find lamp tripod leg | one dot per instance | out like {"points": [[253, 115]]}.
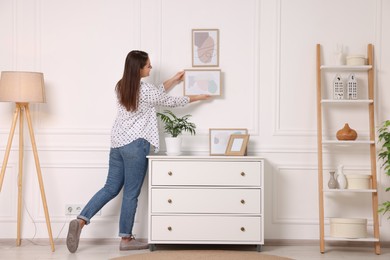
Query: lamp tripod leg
{"points": [[8, 149], [20, 178], [39, 173]]}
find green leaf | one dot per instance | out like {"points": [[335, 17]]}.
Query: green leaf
{"points": [[174, 125], [384, 156]]}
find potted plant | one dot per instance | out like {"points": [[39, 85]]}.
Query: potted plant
{"points": [[384, 154], [174, 126]]}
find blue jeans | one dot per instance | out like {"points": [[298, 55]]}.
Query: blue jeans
{"points": [[127, 169]]}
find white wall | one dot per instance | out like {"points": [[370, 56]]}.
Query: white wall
{"points": [[267, 56]]}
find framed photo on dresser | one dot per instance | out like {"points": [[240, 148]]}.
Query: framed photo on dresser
{"points": [[237, 145], [219, 139]]}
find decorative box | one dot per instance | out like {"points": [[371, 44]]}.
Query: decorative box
{"points": [[348, 227], [358, 181], [356, 60]]}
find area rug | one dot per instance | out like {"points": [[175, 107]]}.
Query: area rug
{"points": [[201, 255]]}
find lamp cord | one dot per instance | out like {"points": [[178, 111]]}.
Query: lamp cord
{"points": [[35, 227]]}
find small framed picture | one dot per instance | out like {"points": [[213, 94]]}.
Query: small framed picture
{"points": [[219, 139], [237, 145], [205, 47], [198, 82]]}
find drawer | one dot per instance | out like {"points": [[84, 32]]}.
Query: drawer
{"points": [[206, 228], [216, 173], [206, 200]]}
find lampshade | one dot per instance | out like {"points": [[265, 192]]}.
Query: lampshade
{"points": [[22, 87]]}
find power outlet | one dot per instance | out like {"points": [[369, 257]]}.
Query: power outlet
{"points": [[75, 209]]}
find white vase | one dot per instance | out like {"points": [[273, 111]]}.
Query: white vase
{"points": [[341, 178], [339, 58], [173, 145]]}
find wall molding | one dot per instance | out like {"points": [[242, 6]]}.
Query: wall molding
{"points": [[39, 217], [278, 130], [10, 172], [255, 131], [276, 218]]}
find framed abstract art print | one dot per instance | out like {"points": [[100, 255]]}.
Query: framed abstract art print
{"points": [[197, 82], [205, 48]]}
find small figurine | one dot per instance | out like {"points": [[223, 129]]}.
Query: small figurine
{"points": [[352, 87], [338, 87]]}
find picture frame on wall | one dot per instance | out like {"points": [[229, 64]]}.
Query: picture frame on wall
{"points": [[219, 139], [237, 145], [197, 82], [205, 47]]}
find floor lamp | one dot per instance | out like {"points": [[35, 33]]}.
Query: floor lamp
{"points": [[23, 88]]}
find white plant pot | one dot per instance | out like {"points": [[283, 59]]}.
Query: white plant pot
{"points": [[173, 145]]}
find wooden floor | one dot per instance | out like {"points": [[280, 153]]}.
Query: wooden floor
{"points": [[108, 249]]}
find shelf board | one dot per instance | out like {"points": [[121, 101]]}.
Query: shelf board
{"points": [[347, 101], [347, 68], [347, 142], [367, 239], [351, 190]]}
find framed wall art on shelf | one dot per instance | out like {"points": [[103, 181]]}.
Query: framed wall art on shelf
{"points": [[219, 139], [205, 47]]}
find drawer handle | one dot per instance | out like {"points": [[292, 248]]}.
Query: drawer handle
{"points": [[169, 228], [170, 173], [242, 229], [169, 201], [242, 201], [242, 174]]}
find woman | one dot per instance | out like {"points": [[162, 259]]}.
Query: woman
{"points": [[134, 130]]}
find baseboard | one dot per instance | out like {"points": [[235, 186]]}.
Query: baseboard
{"points": [[267, 242], [62, 241], [314, 242]]}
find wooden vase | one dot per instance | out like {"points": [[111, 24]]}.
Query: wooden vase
{"points": [[346, 134]]}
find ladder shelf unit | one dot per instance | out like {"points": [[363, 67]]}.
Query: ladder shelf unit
{"points": [[324, 144]]}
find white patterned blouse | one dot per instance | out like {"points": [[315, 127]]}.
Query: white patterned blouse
{"points": [[142, 123]]}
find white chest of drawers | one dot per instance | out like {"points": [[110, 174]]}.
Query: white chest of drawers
{"points": [[206, 200]]}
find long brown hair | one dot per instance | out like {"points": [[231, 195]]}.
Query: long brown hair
{"points": [[127, 88]]}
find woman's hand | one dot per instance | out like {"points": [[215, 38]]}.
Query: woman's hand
{"points": [[199, 97], [178, 77], [168, 84]]}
